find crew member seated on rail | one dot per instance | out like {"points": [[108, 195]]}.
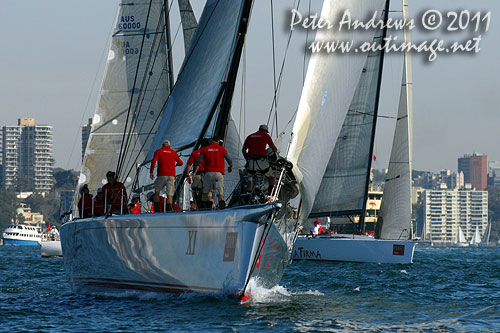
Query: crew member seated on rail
{"points": [[115, 195], [254, 151], [85, 202], [135, 204]]}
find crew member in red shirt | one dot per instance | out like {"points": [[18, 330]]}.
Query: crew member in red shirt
{"points": [[135, 204], [167, 160], [254, 151], [99, 203], [85, 202], [213, 157], [197, 182], [115, 195]]}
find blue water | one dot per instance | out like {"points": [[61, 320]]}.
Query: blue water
{"points": [[445, 289]]}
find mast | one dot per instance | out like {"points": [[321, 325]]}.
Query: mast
{"points": [[225, 108], [226, 90], [168, 41], [361, 225]]}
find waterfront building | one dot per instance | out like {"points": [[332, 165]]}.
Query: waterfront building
{"points": [[494, 173], [445, 210], [24, 215], [475, 170], [27, 155]]}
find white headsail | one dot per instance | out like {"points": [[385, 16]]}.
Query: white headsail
{"points": [[329, 88], [135, 84], [395, 212]]}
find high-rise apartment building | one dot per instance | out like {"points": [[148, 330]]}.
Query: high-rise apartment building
{"points": [[85, 136], [27, 155], [494, 172], [445, 211], [475, 169]]}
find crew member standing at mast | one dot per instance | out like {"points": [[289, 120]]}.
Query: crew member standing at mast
{"points": [[167, 160], [197, 182], [254, 151], [213, 157]]}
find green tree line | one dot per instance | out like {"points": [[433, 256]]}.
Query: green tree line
{"points": [[47, 205]]}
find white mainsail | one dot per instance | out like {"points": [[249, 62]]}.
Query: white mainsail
{"points": [[476, 238], [329, 89], [460, 238], [344, 185], [396, 209], [136, 84]]}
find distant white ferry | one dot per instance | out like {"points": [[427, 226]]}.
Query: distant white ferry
{"points": [[21, 234]]}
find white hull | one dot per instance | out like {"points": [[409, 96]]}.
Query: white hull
{"points": [[206, 252], [51, 248], [353, 248]]}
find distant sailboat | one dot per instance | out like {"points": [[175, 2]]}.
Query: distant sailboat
{"points": [[460, 239], [344, 188], [476, 238]]}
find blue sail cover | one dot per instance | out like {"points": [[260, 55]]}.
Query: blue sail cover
{"points": [[199, 82]]}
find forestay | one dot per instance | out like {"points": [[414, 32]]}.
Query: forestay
{"points": [[344, 184], [134, 81], [395, 212], [329, 89]]}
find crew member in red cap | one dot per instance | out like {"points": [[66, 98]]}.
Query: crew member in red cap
{"points": [[316, 229], [115, 195], [167, 160], [254, 151], [213, 157]]}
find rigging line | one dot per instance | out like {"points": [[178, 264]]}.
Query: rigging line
{"points": [[305, 49], [280, 77], [91, 89], [275, 104], [194, 43], [242, 95], [133, 90], [143, 90], [155, 90], [371, 114]]}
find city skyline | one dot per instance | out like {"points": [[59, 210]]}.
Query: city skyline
{"points": [[53, 74]]}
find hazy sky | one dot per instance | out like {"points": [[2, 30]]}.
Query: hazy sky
{"points": [[53, 59]]}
